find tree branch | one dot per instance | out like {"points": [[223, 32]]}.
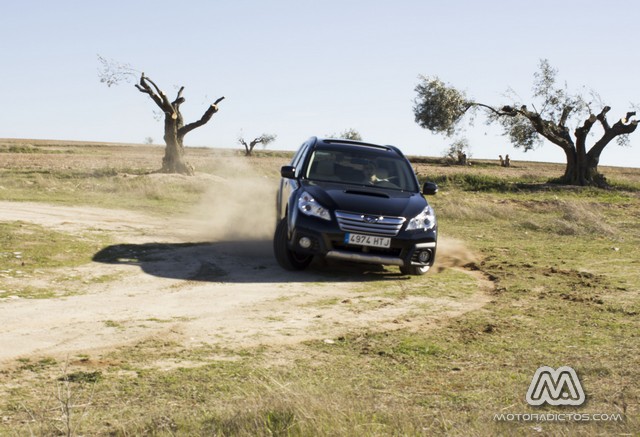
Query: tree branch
{"points": [[506, 110], [582, 131], [258, 141], [566, 111], [144, 87], [624, 125], [557, 134], [602, 117], [621, 127], [165, 104], [581, 137], [244, 143], [157, 88], [179, 99], [203, 120], [628, 116]]}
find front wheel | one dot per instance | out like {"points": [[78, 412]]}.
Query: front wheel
{"points": [[287, 258], [414, 270]]}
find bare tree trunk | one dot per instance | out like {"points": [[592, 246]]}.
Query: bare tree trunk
{"points": [[249, 148], [581, 164], [582, 167], [173, 160], [582, 172], [591, 172], [571, 166]]}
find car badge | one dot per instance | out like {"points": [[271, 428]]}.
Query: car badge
{"points": [[371, 219]]}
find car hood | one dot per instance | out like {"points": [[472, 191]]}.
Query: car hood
{"points": [[366, 200]]}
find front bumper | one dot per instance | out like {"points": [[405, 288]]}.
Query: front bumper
{"points": [[417, 248]]}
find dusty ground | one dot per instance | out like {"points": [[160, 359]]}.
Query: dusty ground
{"points": [[171, 279], [196, 279]]}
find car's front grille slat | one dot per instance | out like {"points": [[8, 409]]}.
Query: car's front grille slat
{"points": [[369, 223]]}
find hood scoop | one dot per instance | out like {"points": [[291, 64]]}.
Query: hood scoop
{"points": [[367, 193]]}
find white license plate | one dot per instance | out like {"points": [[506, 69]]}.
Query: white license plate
{"points": [[367, 240]]}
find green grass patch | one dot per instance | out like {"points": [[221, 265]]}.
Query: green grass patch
{"points": [[29, 251], [42, 364], [475, 182], [27, 247]]}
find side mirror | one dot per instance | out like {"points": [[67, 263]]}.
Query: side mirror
{"points": [[288, 172], [429, 188]]}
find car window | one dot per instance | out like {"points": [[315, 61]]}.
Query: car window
{"points": [[361, 167], [296, 158]]}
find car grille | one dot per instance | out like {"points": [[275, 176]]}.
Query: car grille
{"points": [[369, 223]]}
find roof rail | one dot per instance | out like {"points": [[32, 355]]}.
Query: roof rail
{"points": [[355, 143]]}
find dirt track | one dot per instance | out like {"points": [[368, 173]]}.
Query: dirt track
{"points": [[169, 280]]}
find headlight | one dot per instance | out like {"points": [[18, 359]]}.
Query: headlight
{"points": [[308, 206], [424, 221]]}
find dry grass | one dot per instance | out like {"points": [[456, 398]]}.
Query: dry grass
{"points": [[563, 265]]}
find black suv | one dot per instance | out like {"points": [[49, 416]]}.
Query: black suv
{"points": [[354, 201]]}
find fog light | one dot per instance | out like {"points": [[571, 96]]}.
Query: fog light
{"points": [[424, 257], [304, 242]]}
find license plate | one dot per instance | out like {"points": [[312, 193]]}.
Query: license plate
{"points": [[367, 240]]}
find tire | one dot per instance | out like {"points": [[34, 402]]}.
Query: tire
{"points": [[414, 270], [287, 258]]}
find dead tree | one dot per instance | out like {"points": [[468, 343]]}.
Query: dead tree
{"points": [[174, 127]]}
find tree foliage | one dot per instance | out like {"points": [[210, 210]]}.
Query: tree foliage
{"points": [[348, 134], [554, 113], [112, 72], [439, 107]]}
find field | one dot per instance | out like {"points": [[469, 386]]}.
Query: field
{"points": [[135, 303]]}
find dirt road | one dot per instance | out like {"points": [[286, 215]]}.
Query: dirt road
{"points": [[171, 280]]}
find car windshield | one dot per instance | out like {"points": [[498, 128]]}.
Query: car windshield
{"points": [[361, 166]]}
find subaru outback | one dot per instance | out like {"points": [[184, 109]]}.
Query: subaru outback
{"points": [[354, 201]]}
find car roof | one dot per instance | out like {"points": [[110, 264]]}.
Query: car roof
{"points": [[351, 143]]}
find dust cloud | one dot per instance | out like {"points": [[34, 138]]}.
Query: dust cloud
{"points": [[452, 253], [239, 206]]}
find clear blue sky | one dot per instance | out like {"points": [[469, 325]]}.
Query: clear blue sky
{"points": [[297, 68]]}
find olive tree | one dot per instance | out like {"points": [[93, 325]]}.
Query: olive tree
{"points": [[263, 139], [565, 119], [175, 128]]}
